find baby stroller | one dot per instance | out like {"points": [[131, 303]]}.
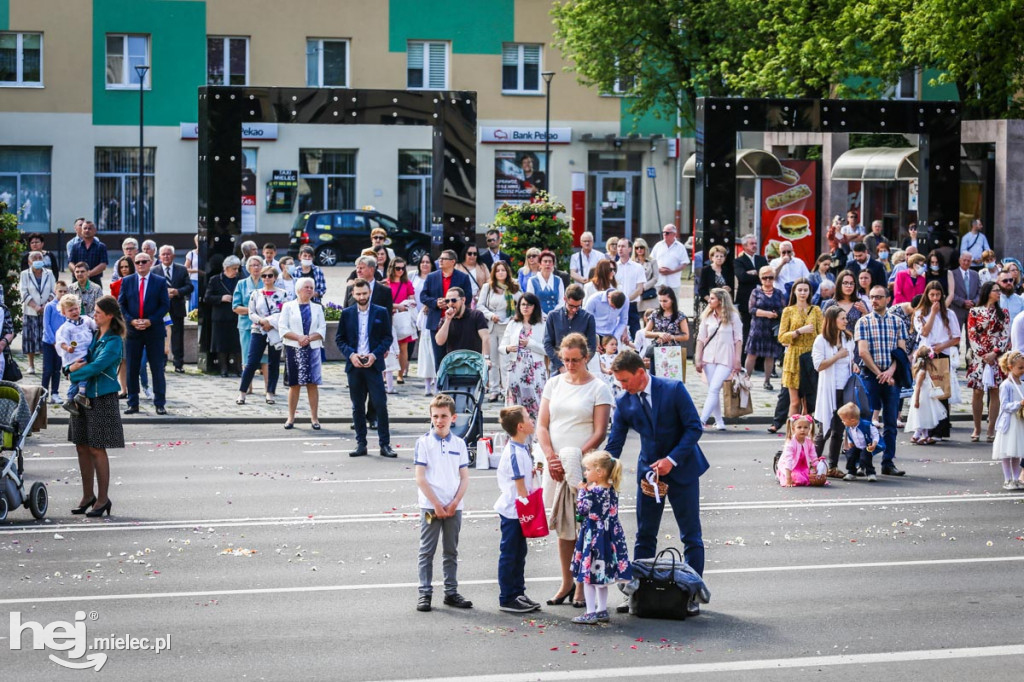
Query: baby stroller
{"points": [[15, 425], [463, 376]]}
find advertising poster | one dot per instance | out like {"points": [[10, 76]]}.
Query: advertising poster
{"points": [[788, 211], [248, 190], [518, 176]]}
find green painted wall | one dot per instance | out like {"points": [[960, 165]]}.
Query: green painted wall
{"points": [[5, 15], [177, 30], [472, 26], [940, 92]]}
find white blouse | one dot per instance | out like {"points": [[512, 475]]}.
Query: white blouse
{"points": [[938, 333]]}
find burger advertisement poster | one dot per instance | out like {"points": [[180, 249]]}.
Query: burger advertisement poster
{"points": [[788, 210]]}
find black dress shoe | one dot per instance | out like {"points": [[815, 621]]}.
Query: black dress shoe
{"points": [[891, 470], [132, 410], [360, 451], [423, 603], [387, 451], [692, 609], [179, 370], [161, 411], [622, 608], [458, 601]]}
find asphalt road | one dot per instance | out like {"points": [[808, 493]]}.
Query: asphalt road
{"points": [[267, 554]]}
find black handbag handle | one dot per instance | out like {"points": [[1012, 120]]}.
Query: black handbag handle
{"points": [[674, 554]]}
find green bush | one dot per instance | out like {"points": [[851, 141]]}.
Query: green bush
{"points": [[10, 262], [525, 226]]}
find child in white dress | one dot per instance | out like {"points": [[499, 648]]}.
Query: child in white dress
{"points": [[609, 349], [926, 411], [1009, 443]]}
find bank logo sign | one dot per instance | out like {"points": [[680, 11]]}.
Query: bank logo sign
{"points": [[534, 135], [250, 131]]}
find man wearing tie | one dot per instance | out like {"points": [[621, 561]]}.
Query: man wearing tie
{"points": [[364, 335], [144, 302], [179, 289], [662, 413], [966, 284]]}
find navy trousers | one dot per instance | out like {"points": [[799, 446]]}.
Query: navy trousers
{"points": [[887, 399], [150, 341], [685, 501], [511, 561], [51, 369], [368, 382]]}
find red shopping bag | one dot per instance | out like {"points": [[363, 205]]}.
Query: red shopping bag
{"points": [[531, 515]]}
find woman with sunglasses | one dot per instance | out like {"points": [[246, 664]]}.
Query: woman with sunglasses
{"points": [[264, 312], [765, 305], [477, 271], [530, 268], [403, 321], [641, 255], [379, 237]]}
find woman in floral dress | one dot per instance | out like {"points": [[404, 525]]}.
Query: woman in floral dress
{"points": [[523, 342], [988, 333]]}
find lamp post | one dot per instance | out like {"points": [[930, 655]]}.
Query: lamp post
{"points": [[141, 70], [548, 75]]}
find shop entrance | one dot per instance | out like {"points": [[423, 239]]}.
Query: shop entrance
{"points": [[614, 199], [414, 179]]}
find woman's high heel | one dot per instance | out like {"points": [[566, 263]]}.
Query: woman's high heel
{"points": [[560, 599], [105, 509], [81, 510]]}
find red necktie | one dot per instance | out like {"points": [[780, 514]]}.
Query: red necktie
{"points": [[142, 293]]}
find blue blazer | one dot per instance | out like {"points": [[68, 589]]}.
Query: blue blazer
{"points": [[674, 434], [156, 305], [486, 257], [433, 289], [379, 331]]}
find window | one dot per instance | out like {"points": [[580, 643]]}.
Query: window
{"points": [[21, 59], [520, 68], [906, 86], [25, 185], [327, 63], [124, 53], [117, 189], [227, 61], [414, 186], [427, 65], [327, 179]]}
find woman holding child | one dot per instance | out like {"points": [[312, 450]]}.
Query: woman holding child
{"points": [[574, 411]]}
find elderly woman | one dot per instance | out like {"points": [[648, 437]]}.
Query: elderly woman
{"points": [[530, 268], [35, 245], [546, 285], [649, 298], [497, 302], [303, 327], [766, 304], [87, 291], [574, 412], [240, 304], [715, 275], [800, 325], [523, 343], [37, 285], [988, 333], [264, 312], [223, 330], [95, 430]]}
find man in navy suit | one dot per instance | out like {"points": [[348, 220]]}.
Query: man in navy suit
{"points": [[662, 413], [179, 288], [433, 296], [364, 335], [493, 253], [144, 302]]}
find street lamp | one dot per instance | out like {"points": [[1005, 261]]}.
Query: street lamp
{"points": [[141, 70], [548, 75]]}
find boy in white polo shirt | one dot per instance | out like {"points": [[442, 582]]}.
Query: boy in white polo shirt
{"points": [[442, 474], [515, 479]]}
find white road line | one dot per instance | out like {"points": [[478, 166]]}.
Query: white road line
{"points": [[412, 516], [930, 655], [488, 581], [726, 441], [393, 480], [54, 459]]}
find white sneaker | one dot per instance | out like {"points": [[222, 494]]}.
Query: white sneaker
{"points": [[1009, 485], [720, 427], [148, 393], [872, 478], [849, 477]]}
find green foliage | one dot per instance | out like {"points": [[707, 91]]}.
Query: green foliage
{"points": [[525, 226], [10, 262]]}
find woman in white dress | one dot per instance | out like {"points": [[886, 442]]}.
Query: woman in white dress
{"points": [[523, 345], [574, 411], [497, 301], [833, 355], [424, 350]]}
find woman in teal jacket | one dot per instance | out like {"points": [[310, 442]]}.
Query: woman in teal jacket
{"points": [[96, 429]]}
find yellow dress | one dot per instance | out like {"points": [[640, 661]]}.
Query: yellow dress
{"points": [[795, 345]]}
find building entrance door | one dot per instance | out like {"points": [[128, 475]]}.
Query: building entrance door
{"points": [[613, 205]]}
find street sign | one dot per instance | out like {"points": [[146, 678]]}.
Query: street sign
{"points": [[651, 172]]}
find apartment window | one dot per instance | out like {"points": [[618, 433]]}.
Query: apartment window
{"points": [[117, 189], [21, 59], [327, 63], [327, 179], [427, 65], [25, 185], [906, 86], [227, 61], [520, 68], [124, 53]]}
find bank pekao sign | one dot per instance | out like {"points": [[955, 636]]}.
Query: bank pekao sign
{"points": [[250, 131], [514, 135]]}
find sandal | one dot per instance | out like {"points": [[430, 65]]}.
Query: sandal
{"points": [[914, 440], [975, 437], [990, 439], [271, 399], [927, 441], [240, 401]]}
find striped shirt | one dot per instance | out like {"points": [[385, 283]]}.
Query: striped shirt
{"points": [[883, 334]]}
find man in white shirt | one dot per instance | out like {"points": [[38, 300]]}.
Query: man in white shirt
{"points": [[788, 268], [852, 232], [1017, 333], [631, 278], [583, 262], [975, 242], [671, 256], [1012, 303]]}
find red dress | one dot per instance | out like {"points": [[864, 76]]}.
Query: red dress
{"points": [[986, 334], [400, 292]]}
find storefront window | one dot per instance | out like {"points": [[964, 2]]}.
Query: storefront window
{"points": [[25, 185], [117, 189], [414, 183]]}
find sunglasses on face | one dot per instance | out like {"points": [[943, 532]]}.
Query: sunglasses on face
{"points": [[492, 240], [141, 262], [452, 300], [399, 267], [531, 257], [377, 239], [471, 253], [268, 276], [767, 279]]}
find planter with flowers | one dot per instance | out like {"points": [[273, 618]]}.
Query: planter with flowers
{"points": [[537, 224]]}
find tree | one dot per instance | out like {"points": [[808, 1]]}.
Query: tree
{"points": [[10, 263]]}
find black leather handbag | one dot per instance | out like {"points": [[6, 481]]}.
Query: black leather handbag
{"points": [[12, 372], [660, 594]]}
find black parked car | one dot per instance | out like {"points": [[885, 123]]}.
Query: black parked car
{"points": [[341, 236]]}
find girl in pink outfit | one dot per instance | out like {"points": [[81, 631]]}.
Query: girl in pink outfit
{"points": [[798, 455]]}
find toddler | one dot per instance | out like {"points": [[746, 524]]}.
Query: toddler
{"points": [[798, 454], [863, 438], [925, 411], [72, 341], [1009, 443], [609, 349]]}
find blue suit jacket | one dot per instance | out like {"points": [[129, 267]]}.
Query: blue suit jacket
{"points": [[379, 331], [433, 289], [156, 305], [674, 434]]}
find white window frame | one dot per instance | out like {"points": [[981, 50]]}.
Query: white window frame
{"points": [[426, 64], [227, 58], [320, 62], [20, 81], [521, 69], [897, 88], [126, 74], [125, 196]]}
